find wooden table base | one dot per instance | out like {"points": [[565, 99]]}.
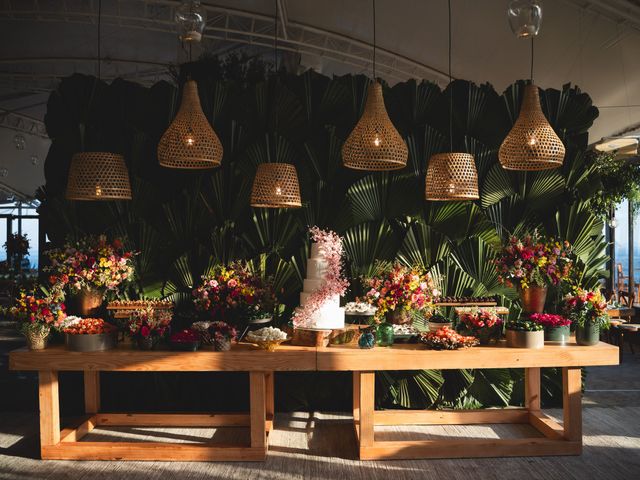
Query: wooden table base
{"points": [[557, 439], [67, 445]]}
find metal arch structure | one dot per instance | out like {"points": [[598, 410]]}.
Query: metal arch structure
{"points": [[230, 25], [22, 123]]}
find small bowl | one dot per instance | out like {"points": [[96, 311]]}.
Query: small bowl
{"points": [[268, 345]]}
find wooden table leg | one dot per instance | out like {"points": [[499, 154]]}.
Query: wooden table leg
{"points": [[49, 409], [269, 399], [367, 408], [356, 396], [572, 403], [532, 389], [258, 409], [91, 391]]}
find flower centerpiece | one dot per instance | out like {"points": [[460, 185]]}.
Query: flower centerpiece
{"points": [[330, 245], [531, 264], [447, 339], [234, 294], [524, 333], [556, 327], [217, 334], [36, 313], [483, 324], [148, 327], [187, 340], [399, 291], [587, 310], [88, 268]]}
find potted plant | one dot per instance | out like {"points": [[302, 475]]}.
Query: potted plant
{"points": [[400, 292], [531, 264], [483, 324], [222, 334], [148, 327], [556, 327], [523, 333], [88, 268], [437, 320], [36, 313], [587, 311]]}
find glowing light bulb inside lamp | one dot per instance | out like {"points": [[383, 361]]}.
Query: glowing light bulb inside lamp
{"points": [[532, 141], [278, 190], [98, 191], [451, 188], [376, 141], [189, 140]]}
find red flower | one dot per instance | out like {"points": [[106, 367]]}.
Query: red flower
{"points": [[144, 331]]}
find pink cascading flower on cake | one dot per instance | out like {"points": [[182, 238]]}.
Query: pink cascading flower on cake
{"points": [[330, 246]]}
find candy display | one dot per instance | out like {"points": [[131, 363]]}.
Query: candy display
{"points": [[447, 339]]}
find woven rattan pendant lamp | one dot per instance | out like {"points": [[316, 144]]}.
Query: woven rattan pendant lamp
{"points": [[276, 184], [451, 176], [190, 143], [374, 144], [532, 144], [98, 175]]}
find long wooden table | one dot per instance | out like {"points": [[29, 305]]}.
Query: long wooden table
{"points": [[556, 439], [66, 445]]}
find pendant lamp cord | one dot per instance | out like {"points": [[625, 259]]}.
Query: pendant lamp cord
{"points": [[275, 68], [99, 34], [450, 87], [374, 40], [531, 75]]}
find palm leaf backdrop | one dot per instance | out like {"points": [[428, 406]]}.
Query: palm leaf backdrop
{"points": [[184, 223]]}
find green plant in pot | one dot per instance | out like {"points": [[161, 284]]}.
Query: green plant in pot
{"points": [[556, 327], [531, 264], [524, 333], [587, 311]]}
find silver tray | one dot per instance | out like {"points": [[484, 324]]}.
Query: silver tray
{"points": [[90, 342]]}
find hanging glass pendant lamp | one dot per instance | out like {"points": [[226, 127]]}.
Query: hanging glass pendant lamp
{"points": [[375, 144], [532, 144], [451, 176], [276, 184], [98, 175]]}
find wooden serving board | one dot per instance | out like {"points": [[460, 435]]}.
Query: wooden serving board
{"points": [[321, 338]]}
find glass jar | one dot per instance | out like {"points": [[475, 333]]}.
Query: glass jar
{"points": [[384, 334]]}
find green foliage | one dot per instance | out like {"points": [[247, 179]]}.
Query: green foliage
{"points": [[620, 180], [185, 222]]}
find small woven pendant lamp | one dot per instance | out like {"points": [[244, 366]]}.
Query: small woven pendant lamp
{"points": [[532, 144], [190, 142], [276, 186], [453, 175], [98, 176], [374, 144]]}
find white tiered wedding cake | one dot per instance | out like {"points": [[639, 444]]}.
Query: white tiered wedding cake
{"points": [[329, 315]]}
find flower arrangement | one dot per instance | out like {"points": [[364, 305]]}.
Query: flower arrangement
{"points": [[36, 312], [447, 339], [524, 325], [187, 340], [402, 288], [219, 334], [88, 326], [148, 326], [330, 245], [533, 260], [483, 324], [91, 263], [549, 320], [232, 293], [585, 307]]}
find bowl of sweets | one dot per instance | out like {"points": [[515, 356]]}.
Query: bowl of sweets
{"points": [[447, 339], [90, 335]]}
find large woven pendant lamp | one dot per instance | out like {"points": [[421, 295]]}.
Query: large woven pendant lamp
{"points": [[98, 175], [276, 184], [375, 144], [451, 176], [532, 144]]}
